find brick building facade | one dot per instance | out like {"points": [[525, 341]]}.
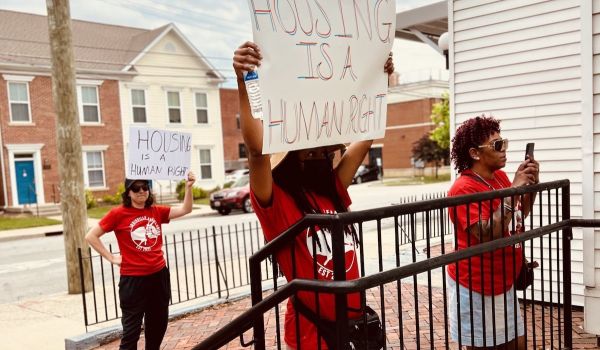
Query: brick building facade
{"points": [[233, 142], [407, 122], [30, 145]]}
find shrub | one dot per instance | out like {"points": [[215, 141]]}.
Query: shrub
{"points": [[90, 200], [197, 192], [115, 198]]}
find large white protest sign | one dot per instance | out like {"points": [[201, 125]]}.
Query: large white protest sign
{"points": [[321, 79], [158, 154]]}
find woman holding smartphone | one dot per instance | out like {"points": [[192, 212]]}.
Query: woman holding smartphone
{"points": [[485, 283]]}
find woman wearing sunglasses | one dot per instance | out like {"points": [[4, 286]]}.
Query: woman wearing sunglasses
{"points": [[144, 286], [485, 283]]}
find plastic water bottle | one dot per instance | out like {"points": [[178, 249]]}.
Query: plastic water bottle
{"points": [[253, 90]]}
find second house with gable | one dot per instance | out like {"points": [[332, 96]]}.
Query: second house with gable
{"points": [[177, 89]]}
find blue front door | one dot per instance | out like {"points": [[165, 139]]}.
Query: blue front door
{"points": [[25, 181]]}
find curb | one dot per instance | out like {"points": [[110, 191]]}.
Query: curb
{"points": [[24, 235]]}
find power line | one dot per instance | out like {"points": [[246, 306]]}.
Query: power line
{"points": [[192, 20], [203, 14], [115, 63], [113, 49], [152, 75]]}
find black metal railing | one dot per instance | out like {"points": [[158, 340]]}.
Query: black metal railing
{"points": [[409, 287], [209, 262], [205, 262]]}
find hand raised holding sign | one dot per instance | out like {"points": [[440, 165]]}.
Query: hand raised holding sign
{"points": [[246, 58], [389, 65], [191, 178]]}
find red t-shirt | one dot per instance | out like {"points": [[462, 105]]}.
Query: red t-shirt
{"points": [[139, 235], [468, 184], [276, 219]]}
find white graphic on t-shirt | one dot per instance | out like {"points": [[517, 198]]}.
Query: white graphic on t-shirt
{"points": [[324, 253], [144, 232]]}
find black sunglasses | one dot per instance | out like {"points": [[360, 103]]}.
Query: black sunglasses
{"points": [[137, 187], [499, 145]]}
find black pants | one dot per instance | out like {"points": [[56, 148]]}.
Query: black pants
{"points": [[147, 298]]}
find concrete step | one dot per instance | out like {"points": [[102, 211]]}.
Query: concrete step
{"points": [[166, 198], [41, 210]]}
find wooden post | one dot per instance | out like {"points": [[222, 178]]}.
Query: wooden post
{"points": [[68, 133]]}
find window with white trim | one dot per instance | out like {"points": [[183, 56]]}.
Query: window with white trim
{"points": [[205, 164], [138, 104], [90, 107], [201, 108], [18, 99], [94, 166], [174, 103]]}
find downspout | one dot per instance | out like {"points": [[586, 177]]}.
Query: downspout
{"points": [[587, 140], [451, 99]]}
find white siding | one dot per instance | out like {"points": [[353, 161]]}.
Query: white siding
{"points": [[171, 65], [520, 61]]}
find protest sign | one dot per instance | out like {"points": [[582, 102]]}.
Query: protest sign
{"points": [[158, 154], [322, 80]]}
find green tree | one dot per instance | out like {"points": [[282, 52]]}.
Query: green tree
{"points": [[429, 151], [440, 116]]}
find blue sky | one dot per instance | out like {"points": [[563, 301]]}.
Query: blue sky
{"points": [[215, 27]]}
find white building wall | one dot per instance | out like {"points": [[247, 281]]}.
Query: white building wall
{"points": [[520, 61], [172, 65]]}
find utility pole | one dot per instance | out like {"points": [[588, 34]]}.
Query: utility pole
{"points": [[68, 133]]}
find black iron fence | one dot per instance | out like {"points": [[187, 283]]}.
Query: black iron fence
{"points": [[406, 280], [209, 262], [212, 261]]}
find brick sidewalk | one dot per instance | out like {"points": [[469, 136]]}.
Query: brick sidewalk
{"points": [[186, 332]]}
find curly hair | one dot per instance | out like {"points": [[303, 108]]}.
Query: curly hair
{"points": [[471, 134]]}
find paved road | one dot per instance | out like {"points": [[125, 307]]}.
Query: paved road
{"points": [[34, 267]]}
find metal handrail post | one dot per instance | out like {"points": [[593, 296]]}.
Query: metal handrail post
{"points": [[214, 231], [566, 249], [256, 295], [81, 276], [339, 274]]}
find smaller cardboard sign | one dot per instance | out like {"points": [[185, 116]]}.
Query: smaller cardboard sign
{"points": [[156, 154]]}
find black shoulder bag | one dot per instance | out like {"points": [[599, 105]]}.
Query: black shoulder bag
{"points": [[364, 333]]}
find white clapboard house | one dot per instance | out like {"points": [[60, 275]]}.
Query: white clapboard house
{"points": [[535, 65], [175, 88]]}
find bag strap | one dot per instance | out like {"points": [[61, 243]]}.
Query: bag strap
{"points": [[479, 180], [326, 331]]}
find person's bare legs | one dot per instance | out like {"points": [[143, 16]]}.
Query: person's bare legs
{"points": [[515, 344]]}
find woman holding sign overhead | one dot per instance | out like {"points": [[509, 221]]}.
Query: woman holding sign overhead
{"points": [[287, 186], [144, 286]]}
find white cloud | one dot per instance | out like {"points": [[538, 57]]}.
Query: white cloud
{"points": [[215, 27]]}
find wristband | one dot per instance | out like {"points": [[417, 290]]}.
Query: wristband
{"points": [[508, 207]]}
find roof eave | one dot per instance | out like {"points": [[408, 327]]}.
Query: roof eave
{"points": [[426, 15]]}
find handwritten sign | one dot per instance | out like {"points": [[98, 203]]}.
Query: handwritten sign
{"points": [[321, 79], [158, 154]]}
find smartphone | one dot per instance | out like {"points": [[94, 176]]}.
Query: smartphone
{"points": [[529, 150]]}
